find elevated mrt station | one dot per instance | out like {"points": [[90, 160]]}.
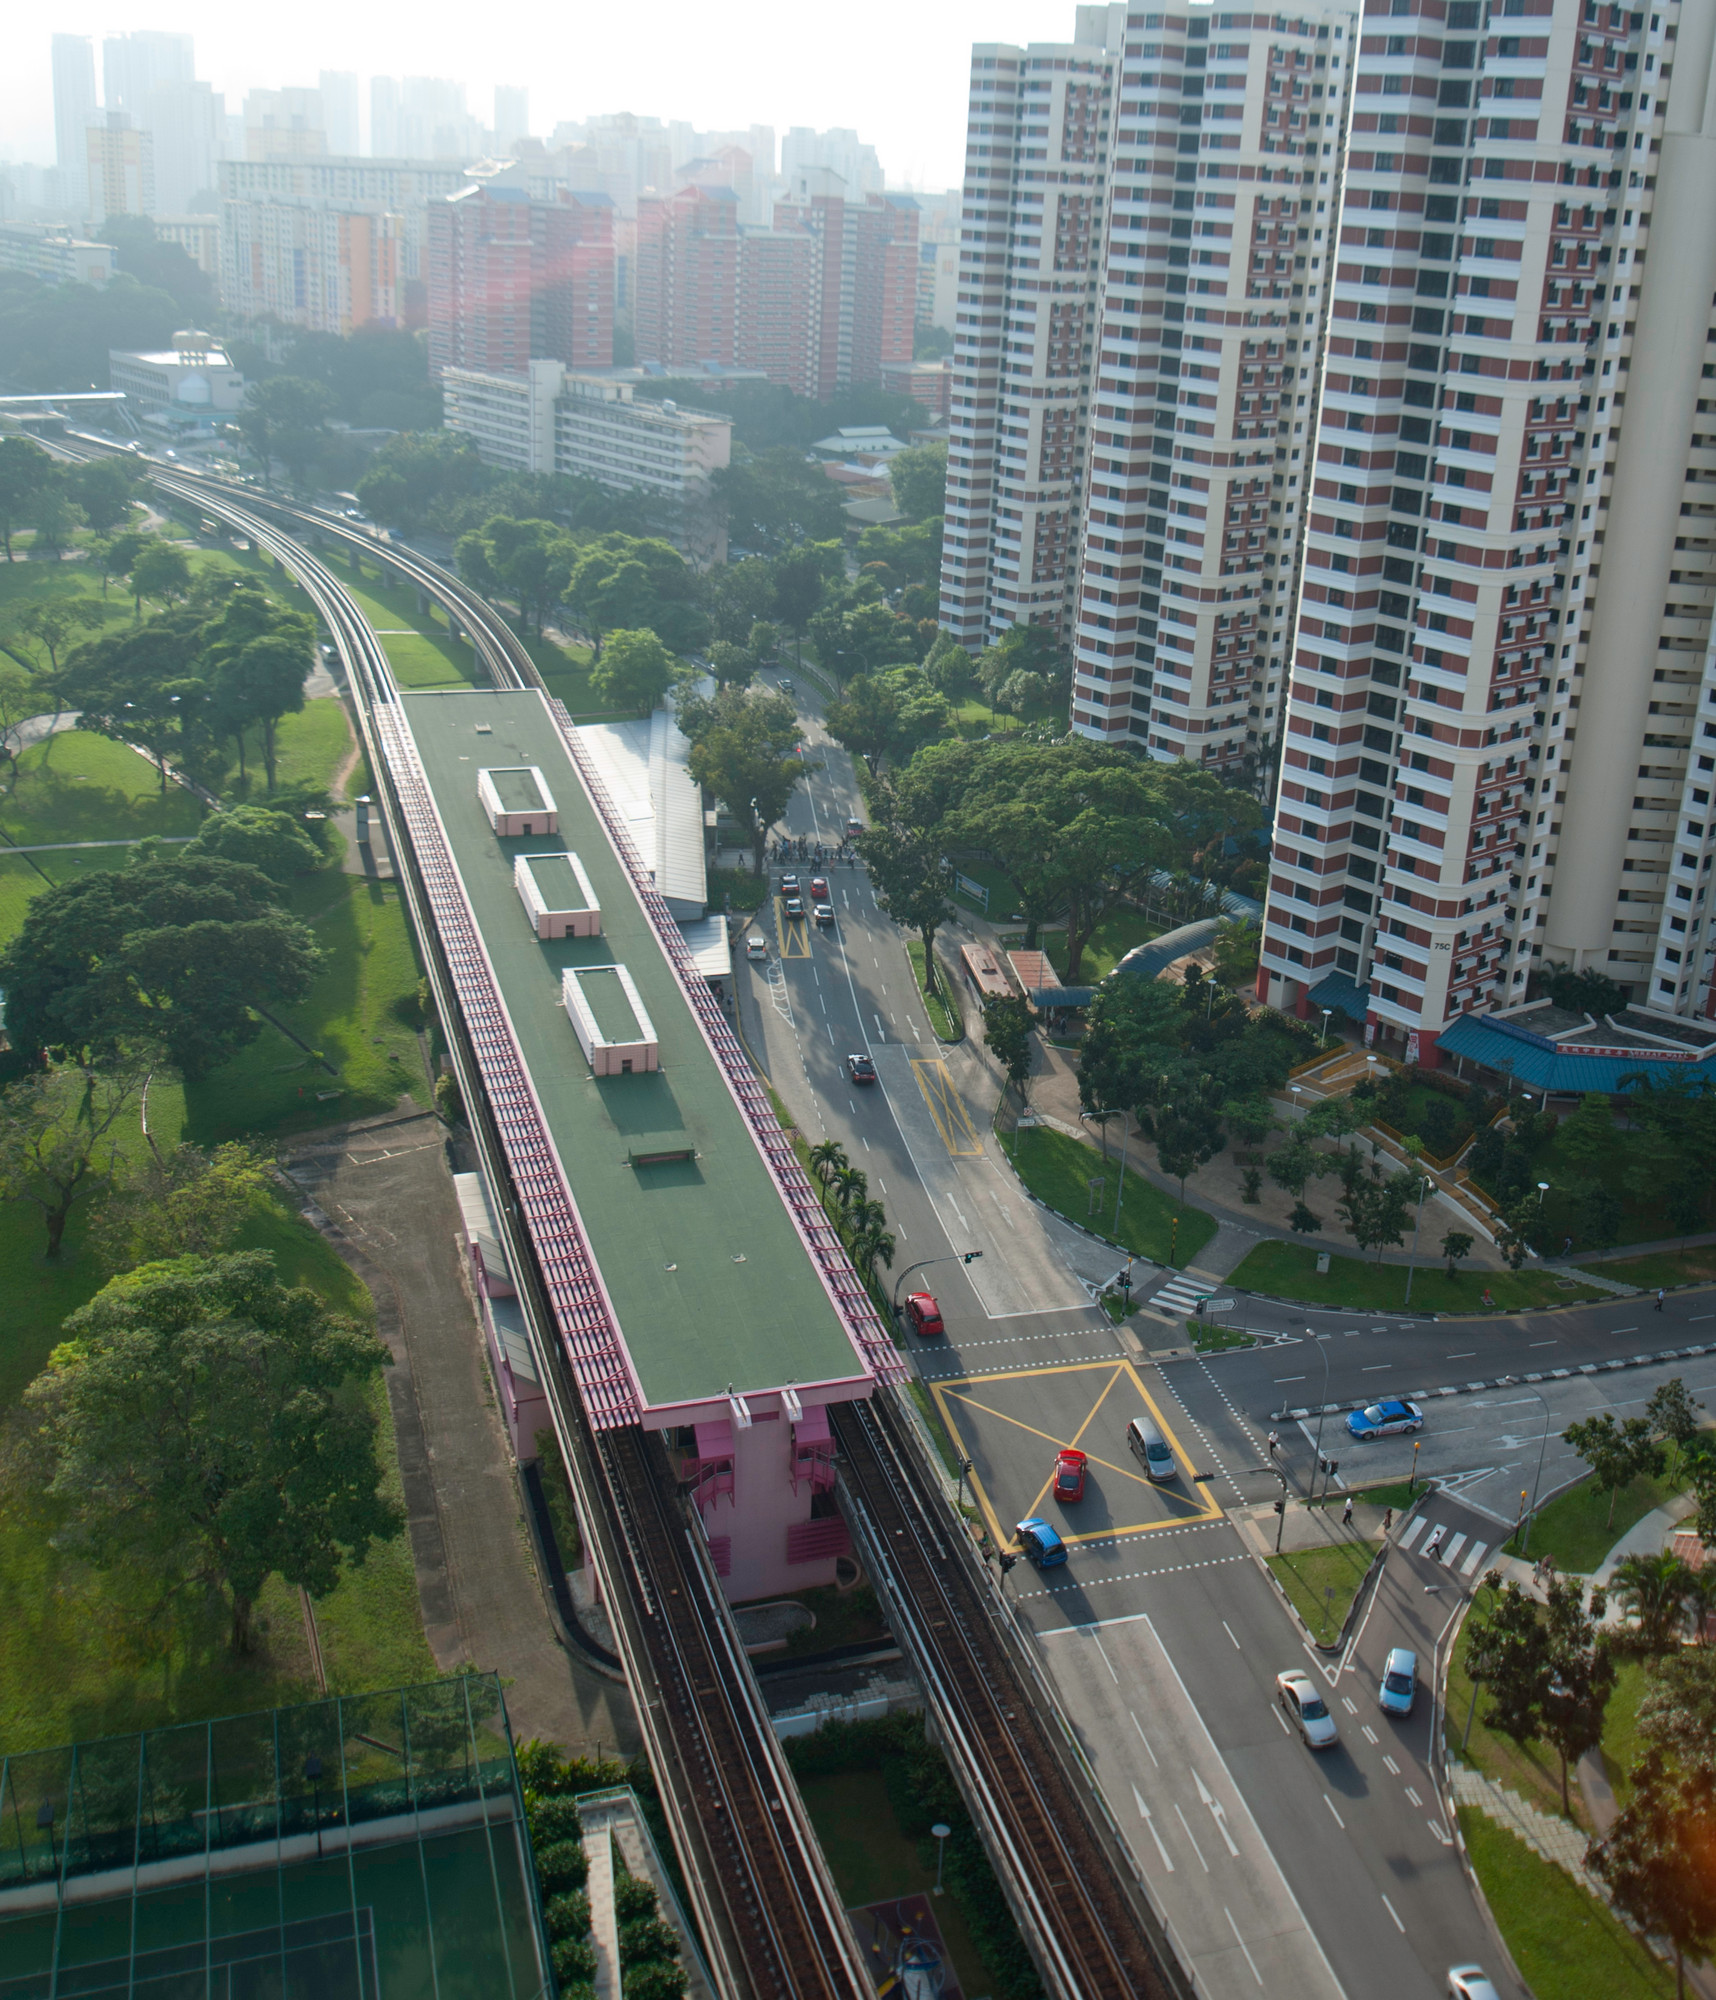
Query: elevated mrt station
{"points": [[696, 1285]]}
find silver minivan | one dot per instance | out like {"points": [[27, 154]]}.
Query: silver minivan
{"points": [[1147, 1443]]}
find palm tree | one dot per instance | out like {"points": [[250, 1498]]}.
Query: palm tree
{"points": [[826, 1159], [1654, 1590], [1701, 1601], [850, 1184], [874, 1244], [865, 1218]]}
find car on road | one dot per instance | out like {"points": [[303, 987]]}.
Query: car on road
{"points": [[1385, 1419], [786, 686], [924, 1314], [860, 1069], [756, 947], [793, 904], [819, 889], [1306, 1709], [1470, 1982], [1399, 1681], [1040, 1542], [1069, 1476], [1146, 1441], [823, 914], [854, 827], [790, 885]]}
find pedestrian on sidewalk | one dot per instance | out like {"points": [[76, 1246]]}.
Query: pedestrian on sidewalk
{"points": [[1660, 1296], [1347, 1513], [1387, 1522], [1433, 1547]]}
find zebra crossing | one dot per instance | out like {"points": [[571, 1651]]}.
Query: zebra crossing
{"points": [[1448, 1549], [1181, 1295]]}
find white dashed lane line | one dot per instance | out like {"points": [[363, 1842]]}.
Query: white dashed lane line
{"points": [[1134, 1576]]}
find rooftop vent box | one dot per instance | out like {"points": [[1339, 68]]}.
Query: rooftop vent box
{"points": [[557, 896], [610, 1020], [517, 800]]}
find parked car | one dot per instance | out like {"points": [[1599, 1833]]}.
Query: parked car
{"points": [[1470, 1982], [1306, 1709], [1399, 1681], [860, 1069], [1385, 1419], [1040, 1542], [1069, 1477], [756, 947], [924, 1314]]}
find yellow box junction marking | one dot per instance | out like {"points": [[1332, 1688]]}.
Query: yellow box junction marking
{"points": [[793, 932], [958, 1134], [948, 1392]]}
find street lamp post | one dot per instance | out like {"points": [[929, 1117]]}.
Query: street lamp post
{"points": [[1542, 1190], [940, 1834], [1412, 1267], [923, 1264], [1322, 1411], [1543, 1446], [1327, 1011]]}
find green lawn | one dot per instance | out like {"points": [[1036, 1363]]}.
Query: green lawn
{"points": [[942, 1010], [23, 876], [873, 1861], [1641, 1218], [1533, 1770], [1576, 1529], [419, 647], [1289, 1270], [1621, 1744], [1112, 939], [1057, 1170], [1664, 1267], [78, 786], [1322, 1584], [1003, 897], [1566, 1944], [1211, 1337], [309, 748], [366, 1057]]}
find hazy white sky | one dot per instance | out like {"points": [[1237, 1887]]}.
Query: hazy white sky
{"points": [[893, 69]]}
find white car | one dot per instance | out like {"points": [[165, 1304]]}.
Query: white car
{"points": [[1470, 1982], [1305, 1709], [756, 947]]}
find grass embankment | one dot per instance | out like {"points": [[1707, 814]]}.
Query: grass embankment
{"points": [[565, 670], [1058, 1171], [78, 786], [84, 1654], [1576, 1527], [1211, 1337], [943, 1014], [1113, 938], [843, 1618], [420, 648], [1664, 1267], [1289, 1270], [1566, 1944], [1322, 1583]]}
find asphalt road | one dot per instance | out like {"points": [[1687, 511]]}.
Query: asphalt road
{"points": [[1278, 1870]]}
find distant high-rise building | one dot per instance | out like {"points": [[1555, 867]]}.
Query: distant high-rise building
{"points": [[121, 165], [422, 118], [135, 66], [513, 280], [1497, 757], [837, 151], [187, 123], [74, 114], [384, 117], [512, 115], [284, 125], [339, 89]]}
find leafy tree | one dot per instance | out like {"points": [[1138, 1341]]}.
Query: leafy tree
{"points": [[947, 667], [764, 643], [773, 500], [738, 595], [731, 665], [1581, 1675], [887, 715], [1007, 1024], [1292, 1165], [744, 751], [909, 875], [286, 417], [534, 560], [259, 684], [59, 336], [102, 489], [187, 1203], [412, 479], [1600, 1214], [1582, 992], [1513, 1232], [1132, 1031], [25, 470], [1588, 1136], [1187, 1130], [160, 570], [273, 842], [1377, 1209], [56, 517], [635, 672], [113, 555], [204, 1423], [60, 1138], [1617, 1452], [140, 687], [1672, 1414], [1238, 942], [802, 578], [1510, 1655], [55, 620], [1655, 1860], [1456, 1247], [626, 583], [1677, 1712], [174, 954], [860, 638], [919, 479], [20, 698], [1304, 1220], [1654, 1589]]}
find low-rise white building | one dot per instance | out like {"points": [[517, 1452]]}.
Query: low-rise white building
{"points": [[54, 254], [194, 380], [593, 427]]}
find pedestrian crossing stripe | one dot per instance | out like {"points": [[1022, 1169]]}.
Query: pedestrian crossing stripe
{"points": [[1474, 1555], [1180, 1294]]}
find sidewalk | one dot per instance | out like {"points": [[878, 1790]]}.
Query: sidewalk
{"points": [[1305, 1527]]}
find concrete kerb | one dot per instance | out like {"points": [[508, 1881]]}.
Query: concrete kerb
{"points": [[1299, 1412], [1367, 1583]]}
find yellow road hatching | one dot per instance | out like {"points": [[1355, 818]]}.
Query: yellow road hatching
{"points": [[949, 1393], [793, 932], [958, 1134]]}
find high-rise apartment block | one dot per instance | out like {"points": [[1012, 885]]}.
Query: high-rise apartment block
{"points": [[135, 66], [284, 125], [513, 280], [74, 114], [121, 167], [818, 302], [1500, 748], [339, 94], [1149, 216]]}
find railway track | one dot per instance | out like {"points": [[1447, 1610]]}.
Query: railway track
{"points": [[768, 1910]]}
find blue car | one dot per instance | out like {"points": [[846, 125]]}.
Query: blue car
{"points": [[1040, 1543], [1384, 1419]]}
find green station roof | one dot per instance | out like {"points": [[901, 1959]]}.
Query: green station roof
{"points": [[711, 1284]]}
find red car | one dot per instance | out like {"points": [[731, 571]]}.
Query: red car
{"points": [[819, 889], [924, 1314], [1069, 1476]]}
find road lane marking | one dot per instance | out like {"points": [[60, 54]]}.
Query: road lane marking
{"points": [[1279, 1717], [1136, 1724], [946, 1108], [1228, 1629], [1238, 1940], [1154, 1835], [1393, 1767], [1329, 1802], [1416, 1800], [1350, 1705], [1471, 1354], [1395, 1914], [1097, 1643], [1366, 1731], [1192, 1837]]}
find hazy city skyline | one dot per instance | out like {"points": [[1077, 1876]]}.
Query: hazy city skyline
{"points": [[897, 74]]}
